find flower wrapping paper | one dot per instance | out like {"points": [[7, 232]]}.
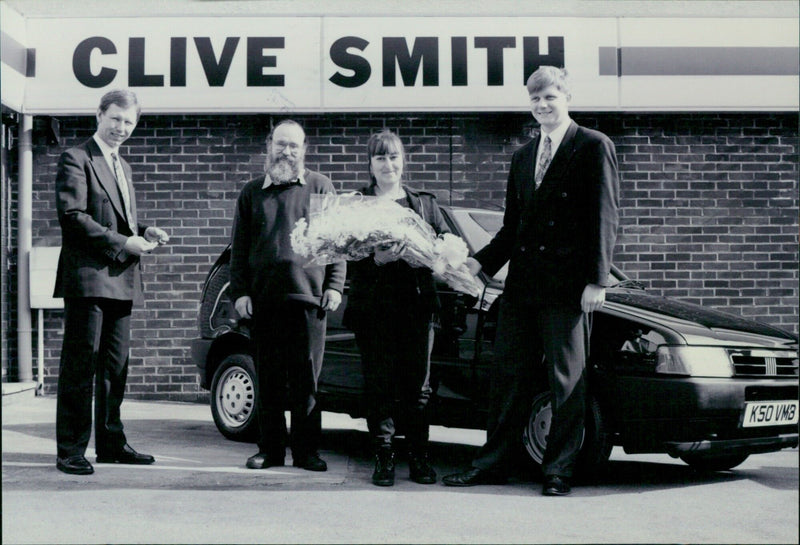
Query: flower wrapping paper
{"points": [[349, 227]]}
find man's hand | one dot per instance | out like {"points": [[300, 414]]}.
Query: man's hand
{"points": [[387, 254], [154, 234], [593, 297], [473, 266], [244, 306], [139, 246], [331, 300]]}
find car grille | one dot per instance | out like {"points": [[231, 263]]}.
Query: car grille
{"points": [[764, 363]]}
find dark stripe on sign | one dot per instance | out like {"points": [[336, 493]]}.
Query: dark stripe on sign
{"points": [[17, 56], [699, 61]]}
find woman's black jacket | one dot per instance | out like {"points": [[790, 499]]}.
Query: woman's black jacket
{"points": [[397, 283]]}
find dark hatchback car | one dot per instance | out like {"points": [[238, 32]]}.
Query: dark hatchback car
{"points": [[664, 375]]}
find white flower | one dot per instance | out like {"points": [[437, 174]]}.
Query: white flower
{"points": [[349, 227]]}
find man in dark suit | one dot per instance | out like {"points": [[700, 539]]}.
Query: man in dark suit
{"points": [[559, 231], [99, 277]]}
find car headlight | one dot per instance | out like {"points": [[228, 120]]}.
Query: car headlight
{"points": [[694, 361]]}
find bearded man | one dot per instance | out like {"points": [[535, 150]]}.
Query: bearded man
{"points": [[286, 300]]}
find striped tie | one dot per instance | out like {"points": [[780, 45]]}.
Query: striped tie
{"points": [[544, 162], [122, 184]]}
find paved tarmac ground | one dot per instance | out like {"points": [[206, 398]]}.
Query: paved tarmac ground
{"points": [[199, 491]]}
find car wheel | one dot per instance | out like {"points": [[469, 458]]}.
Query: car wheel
{"points": [[534, 437], [596, 446], [233, 398], [714, 462]]}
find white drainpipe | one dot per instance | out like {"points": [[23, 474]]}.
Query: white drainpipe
{"points": [[24, 243]]}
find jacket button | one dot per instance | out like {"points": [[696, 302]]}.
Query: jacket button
{"points": [[541, 248], [564, 194], [522, 249], [105, 201], [551, 223]]}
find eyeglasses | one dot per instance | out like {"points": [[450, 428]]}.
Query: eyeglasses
{"points": [[281, 145]]}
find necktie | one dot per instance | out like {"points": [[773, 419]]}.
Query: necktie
{"points": [[122, 184], [544, 162]]}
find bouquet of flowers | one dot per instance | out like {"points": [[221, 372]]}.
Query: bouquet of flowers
{"points": [[350, 227]]}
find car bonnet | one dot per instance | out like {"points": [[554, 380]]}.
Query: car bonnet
{"points": [[714, 326]]}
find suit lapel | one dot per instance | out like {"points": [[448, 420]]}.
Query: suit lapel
{"points": [[560, 161], [528, 166], [129, 180], [106, 178]]}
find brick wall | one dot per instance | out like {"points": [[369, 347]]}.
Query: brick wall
{"points": [[709, 206]]}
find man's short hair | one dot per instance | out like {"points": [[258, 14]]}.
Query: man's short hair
{"points": [[124, 98], [545, 76], [287, 122]]}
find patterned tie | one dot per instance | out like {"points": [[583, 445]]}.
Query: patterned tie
{"points": [[544, 162], [122, 184]]}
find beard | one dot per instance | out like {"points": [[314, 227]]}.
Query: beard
{"points": [[283, 169]]}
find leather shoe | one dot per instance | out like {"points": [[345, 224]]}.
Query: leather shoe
{"points": [[472, 477], [75, 465], [420, 470], [555, 485], [125, 455], [312, 462], [263, 461]]}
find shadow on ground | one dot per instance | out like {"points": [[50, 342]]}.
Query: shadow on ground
{"points": [[192, 455]]}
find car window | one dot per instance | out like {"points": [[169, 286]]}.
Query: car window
{"points": [[477, 228], [490, 222]]}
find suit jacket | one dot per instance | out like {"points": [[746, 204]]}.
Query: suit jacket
{"points": [[93, 261], [561, 236]]}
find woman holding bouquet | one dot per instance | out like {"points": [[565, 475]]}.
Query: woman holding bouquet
{"points": [[391, 310]]}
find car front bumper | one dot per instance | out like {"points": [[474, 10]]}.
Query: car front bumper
{"points": [[683, 415], [200, 348], [752, 445]]}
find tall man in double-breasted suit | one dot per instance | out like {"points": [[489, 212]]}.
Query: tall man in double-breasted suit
{"points": [[99, 277], [559, 231]]}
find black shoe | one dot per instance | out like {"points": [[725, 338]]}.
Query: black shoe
{"points": [[384, 467], [75, 465], [555, 485], [125, 455], [263, 460], [474, 476], [312, 462], [420, 470]]}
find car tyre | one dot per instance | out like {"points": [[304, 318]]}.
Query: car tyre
{"points": [[596, 447], [714, 462], [233, 398]]}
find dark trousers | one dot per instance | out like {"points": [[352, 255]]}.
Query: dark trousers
{"points": [[95, 346], [289, 343], [524, 335], [395, 351]]}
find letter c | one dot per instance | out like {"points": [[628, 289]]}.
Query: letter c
{"points": [[81, 62]]}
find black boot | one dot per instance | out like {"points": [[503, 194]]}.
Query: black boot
{"points": [[384, 467], [420, 470]]}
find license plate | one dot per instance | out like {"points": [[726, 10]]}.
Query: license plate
{"points": [[769, 413]]}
